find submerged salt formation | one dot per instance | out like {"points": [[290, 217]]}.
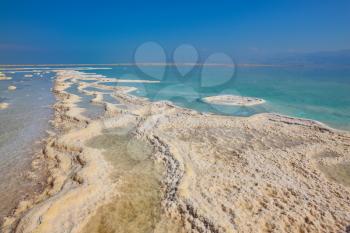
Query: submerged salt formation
{"points": [[4, 77], [264, 173], [234, 100], [4, 105], [11, 88]]}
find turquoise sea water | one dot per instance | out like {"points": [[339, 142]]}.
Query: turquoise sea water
{"points": [[318, 93]]}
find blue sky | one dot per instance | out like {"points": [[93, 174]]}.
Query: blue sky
{"points": [[109, 31]]}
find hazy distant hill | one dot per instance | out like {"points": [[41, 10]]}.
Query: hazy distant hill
{"points": [[341, 57]]}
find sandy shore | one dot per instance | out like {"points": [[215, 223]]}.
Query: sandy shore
{"points": [[264, 173]]}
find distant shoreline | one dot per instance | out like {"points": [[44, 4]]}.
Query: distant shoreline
{"points": [[176, 64]]}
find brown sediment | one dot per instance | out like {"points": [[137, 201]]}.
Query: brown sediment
{"points": [[264, 173]]}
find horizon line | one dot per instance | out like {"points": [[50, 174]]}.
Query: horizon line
{"points": [[173, 64]]}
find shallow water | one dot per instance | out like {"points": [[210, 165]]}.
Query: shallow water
{"points": [[137, 207], [110, 99], [21, 126], [98, 89], [92, 110]]}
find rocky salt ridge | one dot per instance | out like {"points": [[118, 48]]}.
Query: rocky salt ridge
{"points": [[224, 174]]}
